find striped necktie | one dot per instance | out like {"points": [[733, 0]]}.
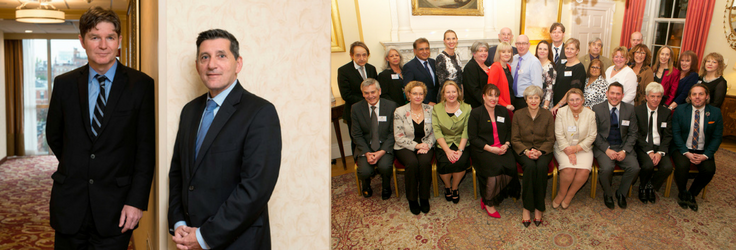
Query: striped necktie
{"points": [[696, 129], [99, 106]]}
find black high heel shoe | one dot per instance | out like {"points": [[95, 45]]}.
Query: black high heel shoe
{"points": [[455, 196], [537, 222], [448, 194], [526, 222]]}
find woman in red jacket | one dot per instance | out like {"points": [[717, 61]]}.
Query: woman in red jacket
{"points": [[500, 75]]}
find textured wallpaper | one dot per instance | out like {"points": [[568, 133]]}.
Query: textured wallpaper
{"points": [[285, 47]]}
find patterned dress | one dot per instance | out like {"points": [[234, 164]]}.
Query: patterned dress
{"points": [[595, 92], [549, 75], [449, 68]]}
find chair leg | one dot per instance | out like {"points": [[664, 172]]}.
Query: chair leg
{"points": [[594, 181], [554, 183], [475, 188], [357, 180], [668, 185], [396, 183], [630, 187], [705, 189], [434, 179]]}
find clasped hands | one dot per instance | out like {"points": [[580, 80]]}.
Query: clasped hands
{"points": [[498, 150], [616, 156], [453, 155], [695, 158], [571, 152], [373, 157], [656, 157], [422, 148], [186, 238], [533, 153]]}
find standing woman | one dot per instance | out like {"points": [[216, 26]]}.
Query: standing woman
{"points": [[621, 73], [595, 85], [448, 63], [414, 140], [500, 75], [489, 131], [712, 76], [569, 75], [666, 74], [390, 78], [450, 123], [575, 130], [533, 139], [687, 78], [475, 75], [549, 74], [644, 75]]}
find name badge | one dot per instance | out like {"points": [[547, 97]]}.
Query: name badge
{"points": [[563, 60], [458, 113], [625, 123], [395, 76], [382, 118], [500, 119], [428, 120], [664, 125], [568, 73], [572, 128]]}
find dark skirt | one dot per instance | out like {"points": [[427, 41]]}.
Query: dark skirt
{"points": [[488, 164], [444, 166], [497, 175]]}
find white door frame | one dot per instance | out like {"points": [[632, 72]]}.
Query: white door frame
{"points": [[608, 7]]}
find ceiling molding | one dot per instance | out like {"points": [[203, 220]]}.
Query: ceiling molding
{"points": [[21, 36], [9, 14]]}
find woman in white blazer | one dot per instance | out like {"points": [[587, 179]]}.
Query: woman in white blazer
{"points": [[414, 145]]}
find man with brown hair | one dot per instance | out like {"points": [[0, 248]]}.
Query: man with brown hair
{"points": [[101, 127], [349, 77]]}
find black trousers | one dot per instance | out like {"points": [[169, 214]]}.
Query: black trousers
{"points": [[385, 168], [534, 186], [706, 171], [88, 238], [646, 174], [418, 172]]}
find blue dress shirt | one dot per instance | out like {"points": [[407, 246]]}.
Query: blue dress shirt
{"points": [[93, 88], [530, 73]]}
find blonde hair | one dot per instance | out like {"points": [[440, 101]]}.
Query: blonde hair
{"points": [[503, 46], [718, 58], [413, 84], [670, 64], [623, 51], [451, 83]]}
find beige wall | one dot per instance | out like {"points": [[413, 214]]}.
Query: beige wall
{"points": [[294, 82], [717, 43], [3, 119]]}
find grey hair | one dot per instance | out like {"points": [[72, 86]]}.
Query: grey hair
{"points": [[386, 64], [477, 45], [597, 39], [531, 91], [368, 82], [654, 87]]}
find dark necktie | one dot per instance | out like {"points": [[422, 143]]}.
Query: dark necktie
{"points": [[516, 76], [557, 54], [696, 129], [426, 66], [614, 117], [99, 106], [209, 115], [375, 144], [650, 137]]}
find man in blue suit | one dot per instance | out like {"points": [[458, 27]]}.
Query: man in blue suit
{"points": [[422, 68], [697, 129]]}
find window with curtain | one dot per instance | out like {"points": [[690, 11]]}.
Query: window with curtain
{"points": [[669, 23], [43, 60]]}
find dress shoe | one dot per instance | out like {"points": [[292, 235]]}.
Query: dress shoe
{"points": [[424, 205], [367, 192], [494, 215], [564, 206], [643, 195], [385, 194], [621, 200], [684, 200], [537, 222], [608, 200], [651, 196], [455, 196], [414, 207], [693, 204], [555, 206], [526, 222], [448, 194]]}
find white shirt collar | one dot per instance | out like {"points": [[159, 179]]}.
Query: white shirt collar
{"points": [[356, 65], [618, 107], [378, 106]]}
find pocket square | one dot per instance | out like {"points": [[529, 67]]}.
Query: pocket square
{"points": [[711, 122]]}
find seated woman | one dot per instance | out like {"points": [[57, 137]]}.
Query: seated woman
{"points": [[569, 75], [595, 85], [475, 74], [500, 75], [641, 57], [449, 123], [687, 78], [390, 78], [489, 132], [575, 130], [620, 72], [414, 140], [533, 138], [711, 74], [549, 74]]}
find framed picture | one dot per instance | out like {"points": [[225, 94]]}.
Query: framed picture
{"points": [[336, 41], [544, 13], [447, 7]]}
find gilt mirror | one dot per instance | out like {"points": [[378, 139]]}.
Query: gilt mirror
{"points": [[729, 23]]}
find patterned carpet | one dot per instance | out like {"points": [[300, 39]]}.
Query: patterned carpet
{"points": [[25, 187], [359, 223]]}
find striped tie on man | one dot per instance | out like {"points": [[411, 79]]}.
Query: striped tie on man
{"points": [[99, 106]]}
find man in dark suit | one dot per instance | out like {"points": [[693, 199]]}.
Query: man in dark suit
{"points": [[614, 145], [101, 127], [422, 68], [349, 77], [226, 157], [697, 130], [373, 132], [557, 33], [652, 144], [506, 35]]}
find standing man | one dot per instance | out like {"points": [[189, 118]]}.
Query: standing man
{"points": [[697, 129], [527, 71], [374, 137], [504, 36], [226, 157], [636, 39], [349, 77], [594, 52], [101, 127], [557, 33], [422, 68], [614, 145], [652, 144]]}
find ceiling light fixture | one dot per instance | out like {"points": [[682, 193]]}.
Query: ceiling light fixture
{"points": [[38, 11]]}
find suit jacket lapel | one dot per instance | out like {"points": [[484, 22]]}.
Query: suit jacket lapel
{"points": [[223, 115], [422, 68], [82, 86], [119, 85]]}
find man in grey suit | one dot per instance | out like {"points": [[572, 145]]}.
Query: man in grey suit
{"points": [[373, 134], [614, 145]]}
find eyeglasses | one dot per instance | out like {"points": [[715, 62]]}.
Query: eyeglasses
{"points": [[641, 52], [520, 44]]}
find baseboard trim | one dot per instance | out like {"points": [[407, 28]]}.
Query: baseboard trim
{"points": [[3, 160]]}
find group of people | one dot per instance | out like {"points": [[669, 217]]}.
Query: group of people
{"points": [[506, 106]]}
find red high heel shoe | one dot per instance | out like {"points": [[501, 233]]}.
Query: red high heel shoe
{"points": [[494, 215]]}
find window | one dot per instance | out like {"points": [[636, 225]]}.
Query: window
{"points": [[669, 23]]}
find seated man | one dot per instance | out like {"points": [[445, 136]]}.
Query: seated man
{"points": [[373, 134], [655, 135], [617, 132], [697, 130]]}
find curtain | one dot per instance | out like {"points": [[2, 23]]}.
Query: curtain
{"points": [[633, 17], [14, 96], [697, 24]]}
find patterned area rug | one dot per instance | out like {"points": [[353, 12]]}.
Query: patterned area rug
{"points": [[360, 223], [25, 188]]}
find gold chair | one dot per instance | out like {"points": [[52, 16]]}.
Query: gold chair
{"points": [[616, 170], [693, 170]]}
